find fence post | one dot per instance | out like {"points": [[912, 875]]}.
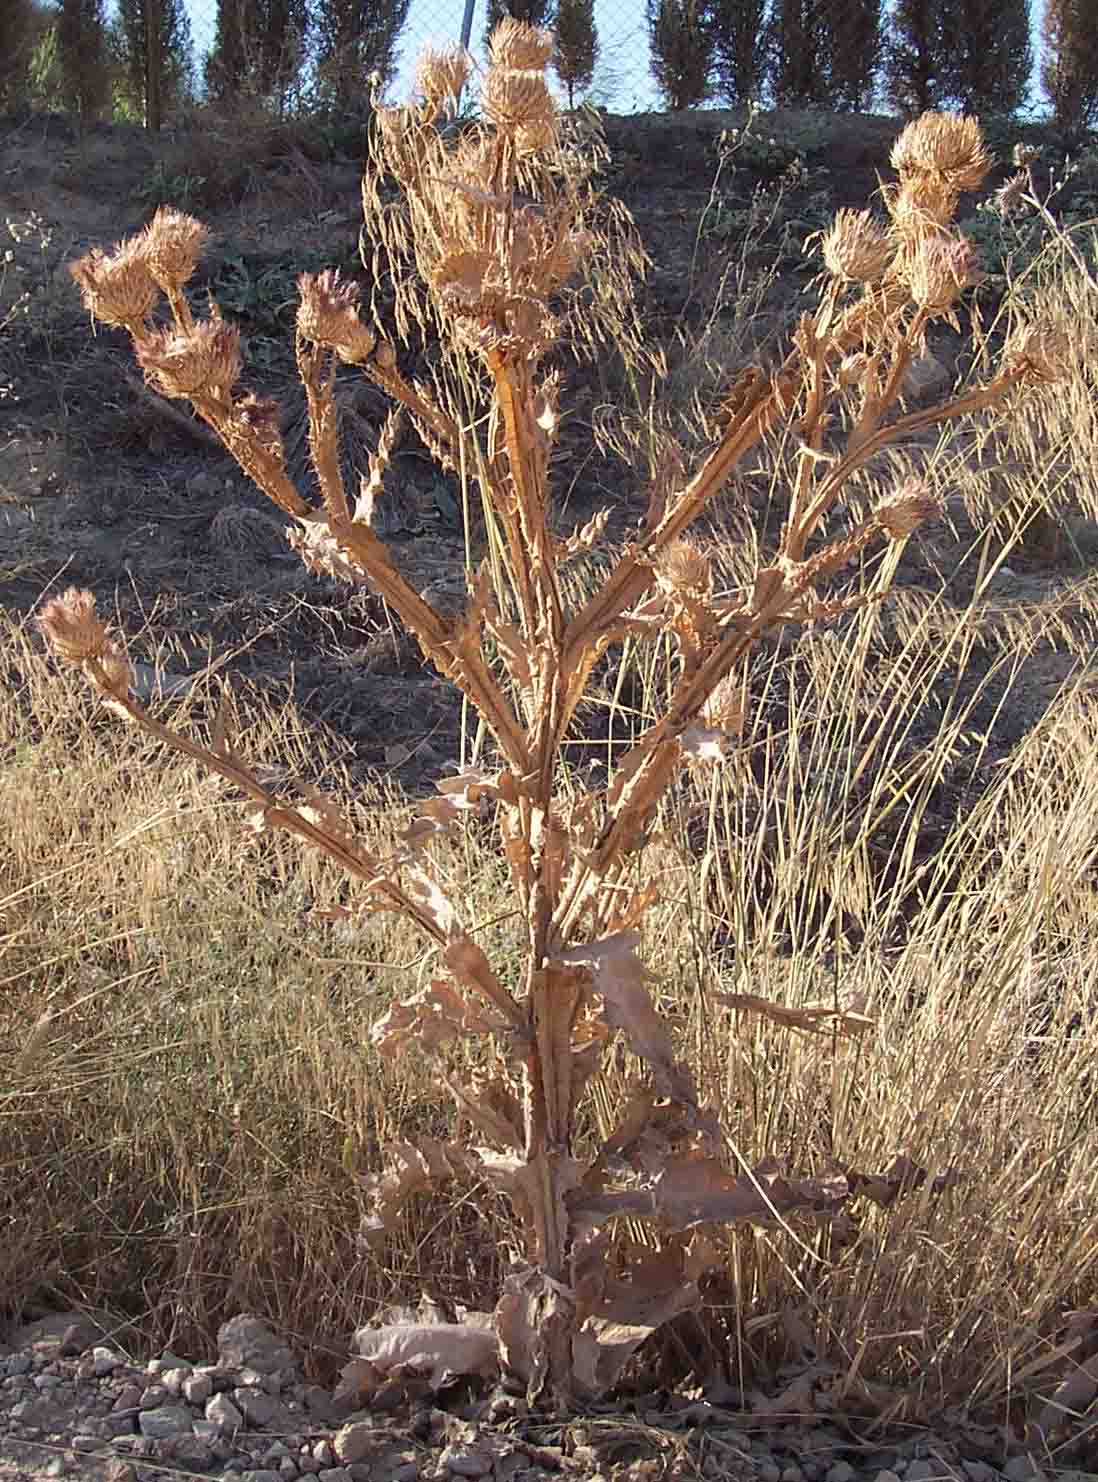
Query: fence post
{"points": [[153, 67]]}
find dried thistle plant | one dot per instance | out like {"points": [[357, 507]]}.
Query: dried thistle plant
{"points": [[490, 229]]}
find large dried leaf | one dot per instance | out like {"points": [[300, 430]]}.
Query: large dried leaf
{"points": [[902, 1176], [433, 1016], [619, 977], [809, 1018], [441, 1351], [412, 1168]]}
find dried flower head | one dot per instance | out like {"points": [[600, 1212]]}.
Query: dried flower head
{"points": [[1008, 196], [520, 47], [262, 417], [945, 145], [74, 631], [117, 287], [910, 506], [202, 360], [852, 370], [517, 101], [441, 74], [1042, 354], [173, 244], [857, 248], [941, 268], [685, 568], [1024, 154]]}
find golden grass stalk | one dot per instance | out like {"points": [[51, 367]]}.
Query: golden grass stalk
{"points": [[498, 223]]}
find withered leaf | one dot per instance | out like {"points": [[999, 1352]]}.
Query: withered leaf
{"points": [[619, 977], [442, 1351], [807, 1018], [412, 1168]]}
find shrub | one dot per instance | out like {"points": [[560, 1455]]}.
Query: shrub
{"points": [[498, 222]]}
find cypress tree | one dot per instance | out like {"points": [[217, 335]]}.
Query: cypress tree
{"points": [[577, 46], [988, 56], [176, 52], [1069, 74], [916, 62], [82, 57], [740, 32], [801, 74], [355, 38], [681, 41]]}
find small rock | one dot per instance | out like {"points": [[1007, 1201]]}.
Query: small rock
{"points": [[979, 1471], [841, 1471], [197, 1388], [57, 1467], [354, 1442], [172, 1380], [257, 1408], [323, 1454], [792, 1473], [307, 1462], [260, 1474], [922, 1470], [74, 1340], [245, 1342], [317, 1401], [17, 1363], [335, 1474], [886, 1475], [153, 1397], [1022, 1469], [165, 1421], [224, 1415], [360, 1472], [120, 1423], [120, 1471], [129, 1398], [104, 1361], [83, 1442], [288, 1468], [465, 1463], [407, 1472], [272, 1383], [769, 1471]]}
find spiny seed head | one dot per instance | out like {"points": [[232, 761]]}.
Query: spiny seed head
{"points": [[940, 270], [263, 419], [1010, 194], [441, 74], [947, 145], [117, 287], [1040, 353], [857, 249], [72, 627], [174, 242], [517, 101], [685, 568], [852, 369], [204, 359], [521, 47], [910, 506]]}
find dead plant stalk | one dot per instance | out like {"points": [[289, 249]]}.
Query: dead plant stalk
{"points": [[491, 275]]}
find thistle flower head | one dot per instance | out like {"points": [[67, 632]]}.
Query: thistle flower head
{"points": [[202, 360], [263, 420], [941, 268], [947, 146], [117, 287], [1008, 195], [328, 315], [518, 101], [173, 244], [441, 73], [1041, 354], [857, 249], [908, 507], [77, 634], [519, 47], [685, 568]]}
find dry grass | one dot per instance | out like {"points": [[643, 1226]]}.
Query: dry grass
{"points": [[196, 1086]]}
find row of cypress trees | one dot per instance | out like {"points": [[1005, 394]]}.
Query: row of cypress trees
{"points": [[843, 54], [850, 54]]}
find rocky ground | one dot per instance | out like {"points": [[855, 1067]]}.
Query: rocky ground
{"points": [[73, 1404]]}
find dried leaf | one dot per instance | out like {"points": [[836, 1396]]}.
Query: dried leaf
{"points": [[442, 1351], [412, 1169], [902, 1176], [433, 1016], [619, 976], [808, 1018]]}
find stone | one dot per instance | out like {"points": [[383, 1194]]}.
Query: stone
{"points": [[120, 1423], [84, 1442], [841, 1471], [925, 379], [153, 1397], [129, 1398], [260, 1474], [407, 1472], [104, 1361], [792, 1473], [979, 1471], [465, 1463], [1022, 1469], [165, 1421], [196, 1388], [886, 1475], [323, 1454], [257, 1408], [17, 1363], [922, 1470], [245, 1342], [288, 1468], [769, 1471], [317, 1401], [224, 1414], [335, 1474], [360, 1471], [57, 1467], [354, 1442]]}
